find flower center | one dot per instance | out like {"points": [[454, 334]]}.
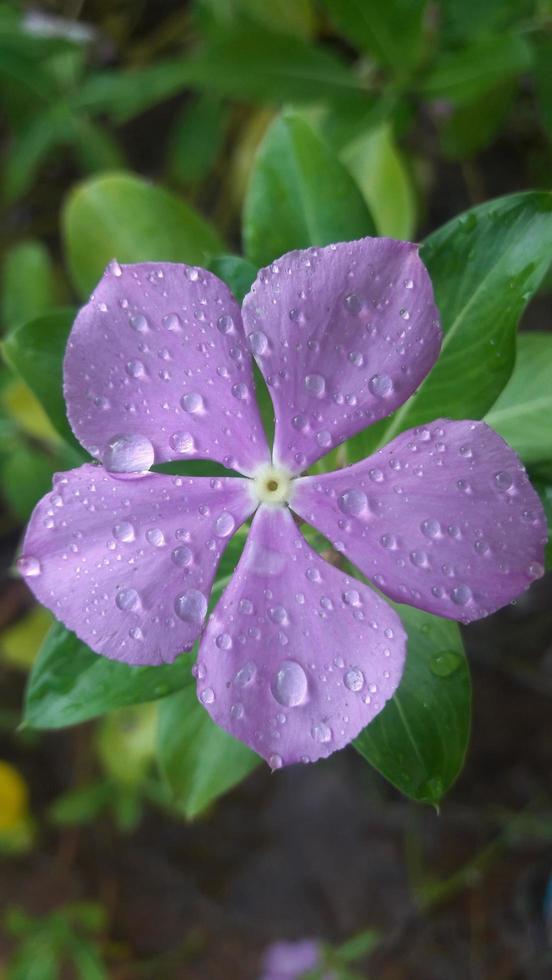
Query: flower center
{"points": [[271, 485]]}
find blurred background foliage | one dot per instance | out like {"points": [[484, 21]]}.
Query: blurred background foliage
{"points": [[158, 129]]}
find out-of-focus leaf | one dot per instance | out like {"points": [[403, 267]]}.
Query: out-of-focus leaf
{"points": [[485, 266], [198, 759], [419, 740], [69, 683], [126, 742], [237, 273], [543, 75], [26, 477], [123, 94], [461, 22], [94, 148], [121, 216], [79, 806], [287, 16], [379, 170], [35, 350], [545, 493], [522, 412], [299, 195], [44, 133], [20, 643], [472, 125], [390, 30], [467, 73], [25, 409], [196, 138], [28, 283]]}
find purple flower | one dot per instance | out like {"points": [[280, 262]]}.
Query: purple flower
{"points": [[292, 960], [297, 657]]}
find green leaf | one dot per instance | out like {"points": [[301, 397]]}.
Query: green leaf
{"points": [[237, 273], [473, 125], [543, 77], [299, 195], [121, 216], [485, 266], [467, 73], [26, 477], [35, 350], [70, 684], [522, 412], [196, 138], [80, 805], [28, 283], [544, 491], [375, 162], [391, 30], [198, 759], [419, 740], [124, 94]]}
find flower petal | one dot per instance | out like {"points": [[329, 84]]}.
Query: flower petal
{"points": [[158, 356], [128, 564], [343, 335], [297, 658], [443, 518]]}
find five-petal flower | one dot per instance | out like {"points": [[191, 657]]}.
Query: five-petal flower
{"points": [[297, 657]]}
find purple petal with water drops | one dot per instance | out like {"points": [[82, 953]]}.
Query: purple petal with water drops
{"points": [[128, 564], [157, 368], [343, 335], [443, 518], [297, 658]]}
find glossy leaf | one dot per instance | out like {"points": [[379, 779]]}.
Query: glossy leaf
{"points": [[390, 30], [70, 684], [198, 759], [35, 350], [299, 195], [28, 283], [237, 273], [376, 164], [466, 73], [523, 411], [485, 266], [419, 740], [121, 216]]}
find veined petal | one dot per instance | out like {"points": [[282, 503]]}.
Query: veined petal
{"points": [[297, 658], [128, 564], [443, 518], [157, 369], [343, 335]]}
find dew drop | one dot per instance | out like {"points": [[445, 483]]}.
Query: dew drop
{"points": [[431, 528], [353, 679], [127, 600], [445, 663], [240, 391], [275, 761], [224, 524], [351, 597], [380, 385], [207, 696], [225, 323], [246, 607], [258, 342], [191, 606], [224, 641], [353, 502], [139, 323], [182, 442], [315, 385], [353, 303], [192, 402], [324, 439], [535, 569], [135, 369], [124, 532], [182, 556], [246, 674], [29, 566], [128, 454], [289, 685], [321, 732], [461, 595], [504, 480], [155, 537], [172, 322]]}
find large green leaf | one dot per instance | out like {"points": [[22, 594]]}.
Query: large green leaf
{"points": [[485, 266], [523, 410], [419, 740], [197, 758], [237, 273], [121, 216], [35, 350], [299, 195], [70, 684], [391, 30], [376, 164]]}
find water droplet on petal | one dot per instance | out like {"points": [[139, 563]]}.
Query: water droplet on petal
{"points": [[353, 303], [155, 537], [124, 532], [240, 391], [182, 442], [225, 323], [246, 674], [29, 566], [353, 502], [431, 528], [128, 454], [139, 323], [275, 761], [315, 385], [135, 369], [192, 402], [351, 597], [535, 569], [353, 679], [207, 696], [182, 556], [127, 600], [258, 342], [321, 732], [191, 606], [461, 595], [224, 524], [224, 641], [290, 685], [504, 480], [380, 385]]}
